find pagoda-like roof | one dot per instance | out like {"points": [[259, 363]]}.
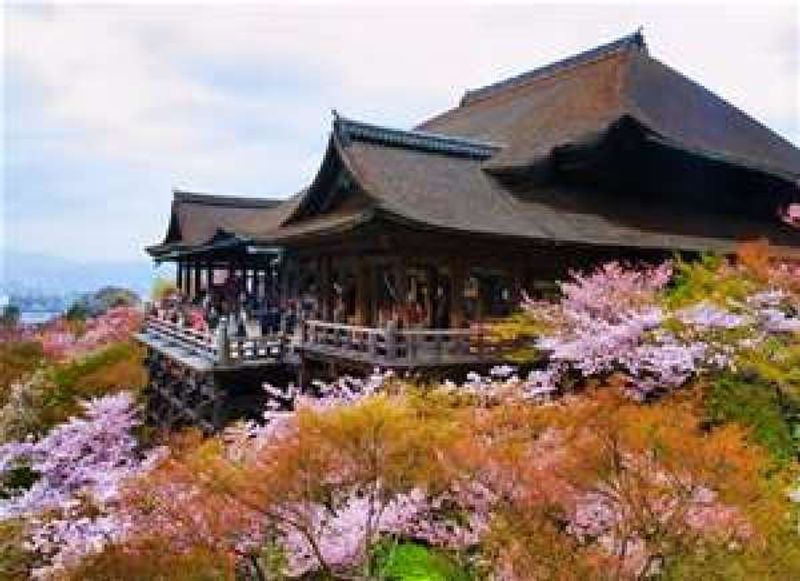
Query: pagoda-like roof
{"points": [[460, 171], [197, 218], [576, 99]]}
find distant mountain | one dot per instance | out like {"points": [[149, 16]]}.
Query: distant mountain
{"points": [[27, 273]]}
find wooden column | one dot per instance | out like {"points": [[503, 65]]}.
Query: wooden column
{"points": [[517, 283], [179, 276], [187, 279], [432, 276], [283, 281], [198, 283], [400, 275], [362, 292], [325, 288], [375, 291], [187, 273], [458, 275]]}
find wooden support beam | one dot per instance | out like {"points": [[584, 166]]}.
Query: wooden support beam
{"points": [[518, 282], [400, 276], [326, 288], [458, 275], [362, 293], [198, 283], [179, 276], [187, 279], [375, 292], [432, 280]]}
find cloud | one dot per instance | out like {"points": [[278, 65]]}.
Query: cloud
{"points": [[110, 107]]}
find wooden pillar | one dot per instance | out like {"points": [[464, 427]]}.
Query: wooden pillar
{"points": [[400, 276], [517, 283], [188, 283], [179, 276], [432, 276], [187, 279], [198, 270], [283, 283], [375, 291], [362, 292], [458, 275], [325, 289]]}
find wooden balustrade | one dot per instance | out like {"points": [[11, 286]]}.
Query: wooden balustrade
{"points": [[385, 346], [391, 346], [200, 343], [218, 349]]}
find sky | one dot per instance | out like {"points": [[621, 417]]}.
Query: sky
{"points": [[107, 109]]}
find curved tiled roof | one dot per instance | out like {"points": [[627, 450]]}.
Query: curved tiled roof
{"points": [[195, 218], [451, 172], [584, 95], [456, 194]]}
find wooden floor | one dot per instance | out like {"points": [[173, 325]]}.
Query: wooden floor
{"points": [[180, 352]]}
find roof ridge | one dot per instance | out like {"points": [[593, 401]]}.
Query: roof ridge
{"points": [[635, 40], [349, 129], [223, 199]]}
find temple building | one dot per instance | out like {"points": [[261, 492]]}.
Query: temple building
{"points": [[411, 237]]}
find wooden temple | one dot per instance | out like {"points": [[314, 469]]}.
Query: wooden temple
{"points": [[407, 241]]}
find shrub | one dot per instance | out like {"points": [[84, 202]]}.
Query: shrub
{"points": [[16, 560], [17, 359], [406, 561], [113, 368], [756, 404], [151, 560], [163, 287], [9, 317]]}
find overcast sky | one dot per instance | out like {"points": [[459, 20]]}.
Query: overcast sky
{"points": [[108, 109]]}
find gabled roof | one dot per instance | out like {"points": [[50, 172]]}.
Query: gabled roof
{"points": [[196, 218], [455, 193], [580, 97], [444, 188], [454, 171]]}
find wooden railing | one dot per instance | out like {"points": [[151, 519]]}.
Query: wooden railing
{"points": [[379, 346], [218, 348], [391, 346], [199, 343]]}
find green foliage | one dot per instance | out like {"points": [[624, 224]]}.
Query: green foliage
{"points": [[78, 312], [112, 368], [10, 316], [517, 333], [39, 395], [777, 360], [408, 561], [15, 560], [17, 360], [162, 287], [97, 303], [707, 279], [16, 480], [755, 403], [773, 558]]}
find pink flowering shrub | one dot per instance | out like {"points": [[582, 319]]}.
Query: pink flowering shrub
{"points": [[535, 475], [64, 340], [80, 467], [628, 322]]}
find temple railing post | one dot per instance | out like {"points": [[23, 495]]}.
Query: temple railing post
{"points": [[391, 340], [223, 343]]}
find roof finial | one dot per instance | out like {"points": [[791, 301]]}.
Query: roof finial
{"points": [[638, 36]]}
